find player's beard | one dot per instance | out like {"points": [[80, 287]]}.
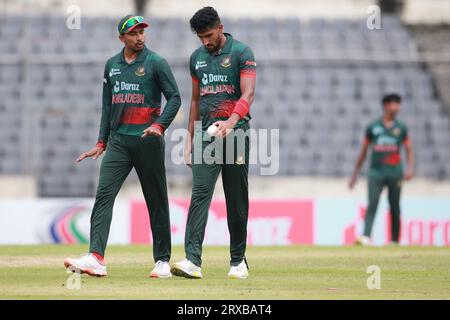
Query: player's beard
{"points": [[215, 48]]}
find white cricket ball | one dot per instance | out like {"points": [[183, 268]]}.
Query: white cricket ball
{"points": [[212, 130]]}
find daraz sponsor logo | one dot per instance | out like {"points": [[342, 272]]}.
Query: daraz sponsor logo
{"points": [[209, 77], [385, 140], [125, 86]]}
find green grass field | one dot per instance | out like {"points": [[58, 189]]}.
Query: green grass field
{"points": [[37, 272]]}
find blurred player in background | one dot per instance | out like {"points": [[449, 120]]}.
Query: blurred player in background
{"points": [[386, 136], [133, 128], [223, 74]]}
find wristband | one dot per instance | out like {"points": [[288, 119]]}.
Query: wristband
{"points": [[159, 126], [242, 107], [101, 144]]}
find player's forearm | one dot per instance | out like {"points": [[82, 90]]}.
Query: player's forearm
{"points": [[359, 163], [105, 122], [356, 169], [170, 90], [104, 130], [242, 106], [249, 96], [170, 110], [410, 159]]}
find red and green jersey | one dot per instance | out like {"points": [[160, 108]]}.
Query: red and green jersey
{"points": [[386, 144], [132, 94], [219, 77]]}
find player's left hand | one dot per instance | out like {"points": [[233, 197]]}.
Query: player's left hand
{"points": [[224, 127], [152, 131]]}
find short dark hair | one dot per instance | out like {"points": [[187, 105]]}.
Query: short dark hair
{"points": [[391, 97], [203, 19]]}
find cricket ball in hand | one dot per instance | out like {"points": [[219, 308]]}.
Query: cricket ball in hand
{"points": [[212, 130]]}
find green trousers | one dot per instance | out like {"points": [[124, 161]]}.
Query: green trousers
{"points": [[377, 180], [146, 155], [235, 185]]}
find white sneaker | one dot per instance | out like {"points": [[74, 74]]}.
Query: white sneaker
{"points": [[363, 241], [186, 269], [88, 264], [238, 272], [161, 270]]}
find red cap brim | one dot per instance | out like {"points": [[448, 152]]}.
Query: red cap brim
{"points": [[142, 24]]}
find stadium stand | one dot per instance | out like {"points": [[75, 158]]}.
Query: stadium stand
{"points": [[319, 81], [434, 44]]}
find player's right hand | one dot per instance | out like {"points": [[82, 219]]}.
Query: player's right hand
{"points": [[94, 153]]}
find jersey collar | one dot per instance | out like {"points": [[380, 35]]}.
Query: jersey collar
{"points": [[394, 124], [227, 47]]}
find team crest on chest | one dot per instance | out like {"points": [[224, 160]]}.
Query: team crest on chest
{"points": [[140, 71], [396, 132], [226, 62]]}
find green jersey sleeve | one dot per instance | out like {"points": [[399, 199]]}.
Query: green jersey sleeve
{"points": [[169, 88], [368, 135], [105, 122], [405, 136], [247, 63], [192, 68]]}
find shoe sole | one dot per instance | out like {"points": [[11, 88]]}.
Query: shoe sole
{"points": [[89, 272], [237, 277], [181, 273], [157, 276]]}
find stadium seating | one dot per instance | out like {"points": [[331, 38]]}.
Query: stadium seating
{"points": [[319, 81]]}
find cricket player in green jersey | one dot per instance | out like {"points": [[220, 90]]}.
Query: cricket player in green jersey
{"points": [[386, 136], [131, 132], [223, 74]]}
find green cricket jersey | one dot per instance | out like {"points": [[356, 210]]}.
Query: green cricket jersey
{"points": [[219, 79], [386, 144], [132, 94]]}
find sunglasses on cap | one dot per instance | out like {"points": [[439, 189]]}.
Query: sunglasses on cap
{"points": [[131, 22]]}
